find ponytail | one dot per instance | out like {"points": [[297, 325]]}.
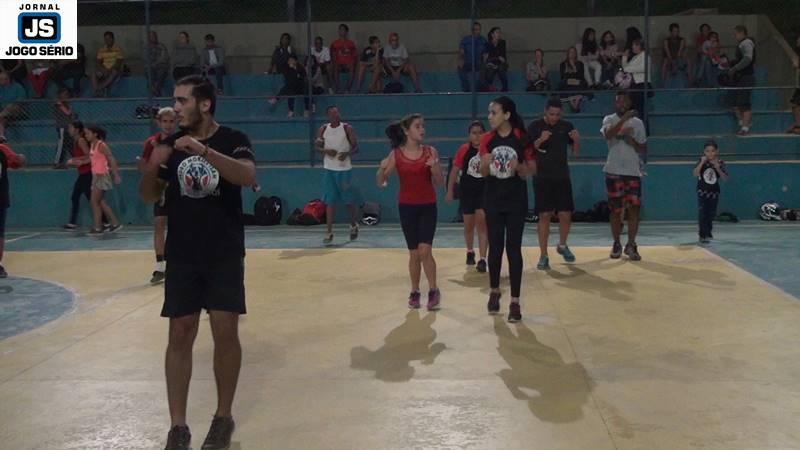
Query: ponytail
{"points": [[516, 121]]}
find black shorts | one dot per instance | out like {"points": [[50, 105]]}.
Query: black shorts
{"points": [[471, 200], [553, 195], [190, 288], [741, 97], [418, 223], [160, 207], [3, 213]]}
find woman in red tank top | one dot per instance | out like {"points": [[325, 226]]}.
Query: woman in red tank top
{"points": [[420, 174]]}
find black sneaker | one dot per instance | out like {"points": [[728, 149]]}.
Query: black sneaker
{"points": [[3, 273], [494, 303], [481, 267], [632, 252], [470, 258], [219, 435], [158, 277], [115, 228], [514, 312], [616, 251], [179, 438]]}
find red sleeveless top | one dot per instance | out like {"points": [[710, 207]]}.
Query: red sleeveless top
{"points": [[416, 186]]}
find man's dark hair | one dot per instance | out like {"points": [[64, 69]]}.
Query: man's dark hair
{"points": [[741, 29], [109, 33], [344, 25], [330, 107], [711, 143], [673, 26], [553, 102], [202, 89], [210, 37], [373, 39], [476, 23]]}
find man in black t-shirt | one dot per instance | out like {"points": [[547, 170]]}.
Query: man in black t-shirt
{"points": [[552, 186], [202, 168]]}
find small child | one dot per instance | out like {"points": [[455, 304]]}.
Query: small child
{"points": [[708, 171]]}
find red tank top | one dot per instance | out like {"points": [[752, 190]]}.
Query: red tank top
{"points": [[416, 187], [77, 152]]}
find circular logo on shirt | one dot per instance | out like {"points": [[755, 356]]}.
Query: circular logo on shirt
{"points": [[502, 157], [474, 167], [197, 177], [710, 176]]}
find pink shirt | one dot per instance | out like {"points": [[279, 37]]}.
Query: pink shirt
{"points": [[98, 158]]}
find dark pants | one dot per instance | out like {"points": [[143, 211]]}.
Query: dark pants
{"points": [[465, 73], [70, 72], [637, 103], [158, 75], [293, 91], [63, 145], [501, 72], [706, 211], [82, 186], [219, 76], [505, 231]]}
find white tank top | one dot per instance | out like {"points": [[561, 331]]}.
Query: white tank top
{"points": [[336, 139]]}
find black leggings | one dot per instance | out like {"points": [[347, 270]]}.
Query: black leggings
{"points": [[82, 186], [505, 231]]}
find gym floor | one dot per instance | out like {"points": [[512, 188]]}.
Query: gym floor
{"points": [[691, 347]]}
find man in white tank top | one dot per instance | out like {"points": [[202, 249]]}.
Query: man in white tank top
{"points": [[337, 142]]}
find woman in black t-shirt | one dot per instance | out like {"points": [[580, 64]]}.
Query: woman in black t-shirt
{"points": [[467, 163], [371, 61], [506, 159], [572, 79], [496, 62]]}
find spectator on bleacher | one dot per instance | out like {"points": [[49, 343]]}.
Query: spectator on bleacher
{"points": [[572, 79], [280, 57], [322, 60], [631, 34], [609, 58], [634, 64], [536, 73], [344, 54], [159, 63], [711, 62], [39, 75], [675, 60], [71, 69], [108, 67], [396, 62], [795, 101], [213, 62], [8, 160], [370, 61], [496, 62], [589, 55], [184, 57], [318, 79], [295, 85], [63, 117], [10, 94], [16, 69], [470, 57], [702, 37], [743, 74]]}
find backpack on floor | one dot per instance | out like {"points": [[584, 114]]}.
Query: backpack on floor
{"points": [[370, 213], [313, 213], [268, 211]]}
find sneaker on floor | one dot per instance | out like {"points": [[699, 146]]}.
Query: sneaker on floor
{"points": [[158, 277], [434, 300], [328, 239], [70, 226], [544, 263], [106, 226], [219, 435], [413, 300], [743, 132], [179, 438], [514, 312], [115, 228], [470, 258], [494, 303], [96, 232], [3, 273], [566, 253], [632, 252], [616, 251], [481, 267], [353, 232], [272, 100]]}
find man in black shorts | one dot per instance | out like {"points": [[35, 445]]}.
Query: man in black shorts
{"points": [[743, 74], [552, 186], [203, 168]]}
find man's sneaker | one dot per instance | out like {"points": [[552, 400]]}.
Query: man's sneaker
{"points": [[434, 300], [179, 438], [158, 277], [413, 300], [494, 303], [544, 263], [470, 258], [328, 239], [353, 232], [70, 226], [115, 228], [632, 252], [514, 312], [704, 241], [106, 226], [219, 435], [566, 253], [3, 273], [616, 251], [481, 267]]}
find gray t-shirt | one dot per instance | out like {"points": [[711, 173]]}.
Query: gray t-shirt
{"points": [[396, 57], [622, 158]]}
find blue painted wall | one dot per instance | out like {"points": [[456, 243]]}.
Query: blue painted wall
{"points": [[40, 198]]}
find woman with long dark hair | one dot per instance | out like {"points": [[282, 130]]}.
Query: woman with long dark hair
{"points": [[572, 79], [83, 184], [496, 60], [103, 164], [609, 58], [467, 169], [506, 160], [588, 53], [280, 57], [420, 173]]}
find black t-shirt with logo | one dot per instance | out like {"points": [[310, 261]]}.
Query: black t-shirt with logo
{"points": [[469, 161], [708, 181], [552, 155], [505, 190], [205, 210]]}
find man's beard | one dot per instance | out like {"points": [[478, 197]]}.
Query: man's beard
{"points": [[195, 119]]}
